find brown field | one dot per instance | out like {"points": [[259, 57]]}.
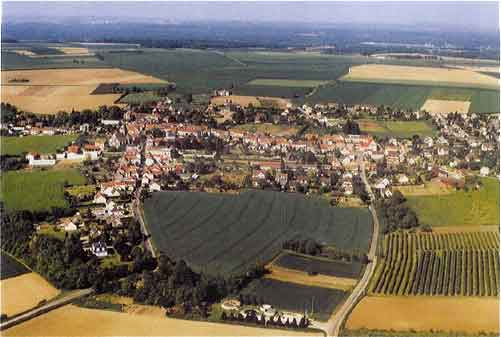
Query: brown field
{"points": [[246, 100], [458, 314], [74, 50], [434, 187], [23, 292], [437, 106], [53, 90], [74, 321], [420, 75], [324, 281], [371, 126]]}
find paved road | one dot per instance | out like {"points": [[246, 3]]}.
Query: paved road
{"points": [[136, 205], [333, 326], [68, 298]]}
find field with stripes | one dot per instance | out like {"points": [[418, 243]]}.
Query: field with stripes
{"points": [[446, 264]]}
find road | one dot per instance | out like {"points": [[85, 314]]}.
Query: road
{"points": [[136, 205], [68, 298], [333, 326]]}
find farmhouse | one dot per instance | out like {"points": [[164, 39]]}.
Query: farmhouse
{"points": [[35, 159]]}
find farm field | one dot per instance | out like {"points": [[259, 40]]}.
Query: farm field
{"points": [[221, 233], [473, 208], [23, 292], [108, 323], [140, 98], [449, 314], [437, 106], [295, 297], [52, 90], [272, 129], [433, 187], [26, 59], [37, 190], [398, 129], [10, 267], [319, 265], [448, 264], [378, 73], [245, 101], [285, 83], [15, 146]]}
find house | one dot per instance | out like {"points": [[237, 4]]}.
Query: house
{"points": [[99, 249], [451, 177], [484, 171], [99, 199], [155, 187], [34, 159], [402, 179], [68, 226]]}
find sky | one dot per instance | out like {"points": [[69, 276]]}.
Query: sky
{"points": [[479, 16]]}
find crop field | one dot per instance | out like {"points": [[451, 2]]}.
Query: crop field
{"points": [[286, 83], [53, 90], [319, 265], [274, 91], [403, 96], [37, 190], [303, 278], [26, 59], [15, 146], [448, 264], [10, 267], [24, 292], [472, 208], [379, 73], [437, 106], [221, 233], [272, 129], [398, 129], [245, 101], [140, 98], [461, 315], [296, 297]]}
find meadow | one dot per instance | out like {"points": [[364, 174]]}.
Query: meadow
{"points": [[272, 129], [10, 267], [16, 146], [224, 234], [459, 208], [38, 189], [447, 264], [320, 302], [397, 129]]}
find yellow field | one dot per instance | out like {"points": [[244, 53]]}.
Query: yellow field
{"points": [[74, 321], [23, 292], [458, 314], [24, 52], [246, 100], [438, 106], [52, 90], [462, 229], [74, 50], [420, 75], [324, 281]]}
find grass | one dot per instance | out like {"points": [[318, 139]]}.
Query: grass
{"points": [[10, 267], [460, 208], [141, 98], [320, 302], [16, 146], [11, 61], [224, 234], [286, 83], [398, 129], [49, 230], [273, 129], [81, 190], [38, 189]]}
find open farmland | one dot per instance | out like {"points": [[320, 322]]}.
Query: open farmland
{"points": [[108, 323], [472, 208], [52, 90], [15, 146], [296, 297], [221, 233], [423, 314], [37, 190], [398, 129], [378, 73], [286, 83], [268, 128], [245, 101], [10, 267], [23, 292], [437, 106], [319, 265], [448, 264]]}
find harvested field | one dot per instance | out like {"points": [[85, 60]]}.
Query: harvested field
{"points": [[299, 277], [257, 101], [286, 83], [10, 267], [462, 314], [220, 233], [436, 106], [74, 50], [52, 90], [377, 73], [23, 292], [107, 323]]}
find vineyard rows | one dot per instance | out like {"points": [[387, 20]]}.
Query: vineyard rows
{"points": [[461, 264]]}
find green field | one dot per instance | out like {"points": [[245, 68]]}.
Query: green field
{"points": [[221, 233], [140, 98], [460, 208], [286, 83], [11, 61], [402, 96], [16, 146], [320, 302], [447, 264], [9, 267], [398, 129], [37, 190]]}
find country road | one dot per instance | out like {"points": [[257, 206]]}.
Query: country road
{"points": [[68, 298], [136, 205], [333, 326]]}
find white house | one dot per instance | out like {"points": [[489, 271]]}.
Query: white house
{"points": [[484, 171], [99, 198], [402, 179], [99, 249], [37, 160], [154, 187]]}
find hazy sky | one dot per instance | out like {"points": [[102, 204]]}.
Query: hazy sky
{"points": [[463, 15]]}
